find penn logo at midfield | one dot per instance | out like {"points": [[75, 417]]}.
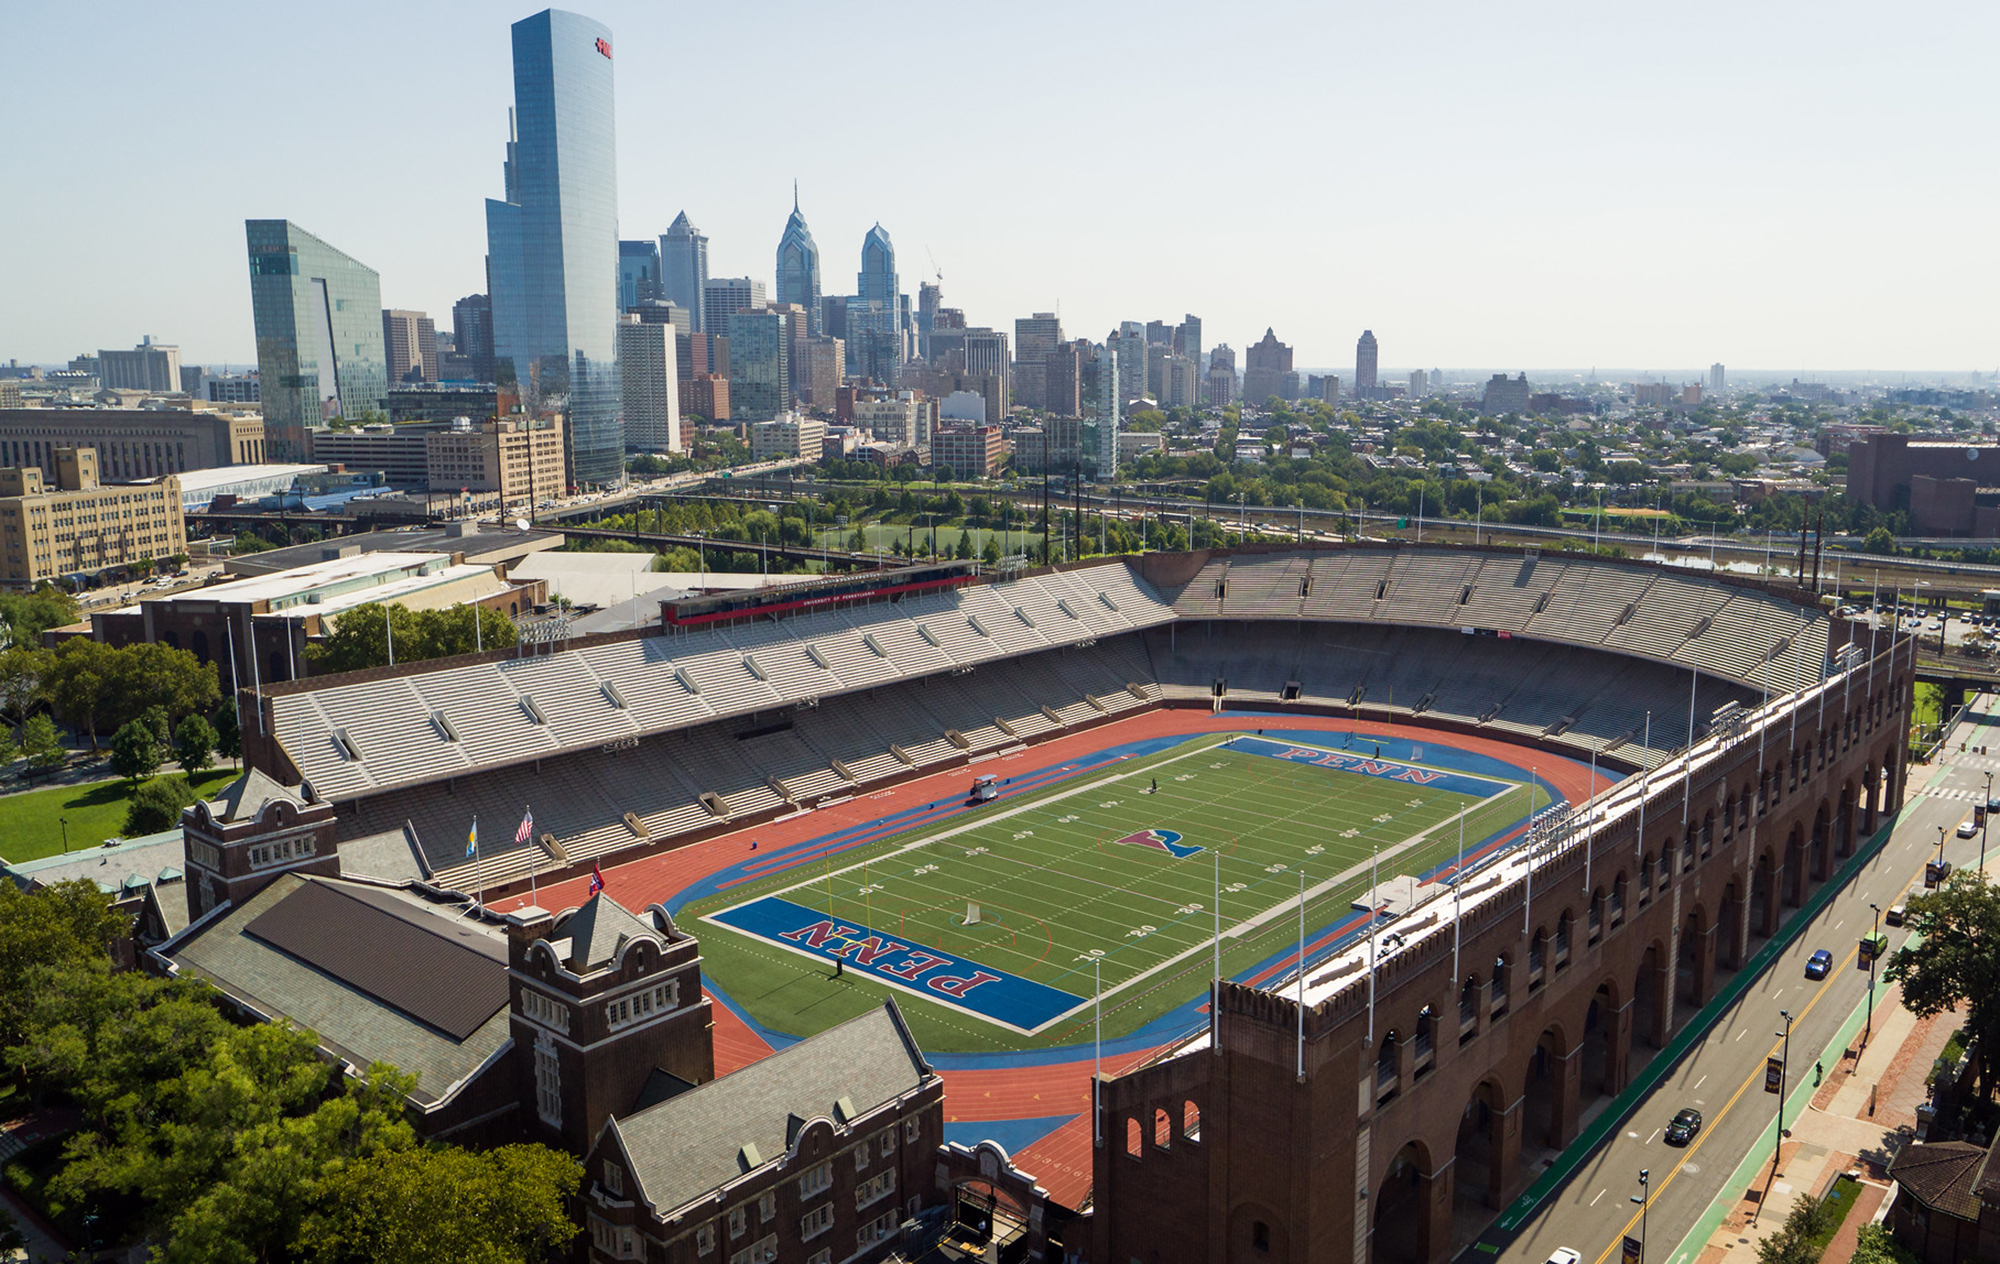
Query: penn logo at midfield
{"points": [[1165, 840]]}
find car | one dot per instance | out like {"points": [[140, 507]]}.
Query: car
{"points": [[1894, 917], [1684, 1126], [1565, 1255], [1818, 964], [1966, 829]]}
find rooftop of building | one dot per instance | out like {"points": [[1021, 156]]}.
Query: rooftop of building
{"points": [[115, 865], [479, 543], [699, 1140], [332, 585], [223, 476]]}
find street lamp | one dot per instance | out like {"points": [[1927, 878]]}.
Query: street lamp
{"points": [[65, 829], [1868, 1028], [1985, 820], [1645, 1204], [1778, 1136], [1940, 859]]}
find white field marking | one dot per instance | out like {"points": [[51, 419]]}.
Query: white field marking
{"points": [[1698, 1083], [1600, 1194], [1283, 908]]}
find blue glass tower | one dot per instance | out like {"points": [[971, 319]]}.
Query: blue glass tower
{"points": [[798, 265], [552, 244], [318, 317]]}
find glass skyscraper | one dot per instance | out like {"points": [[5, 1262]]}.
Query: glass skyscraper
{"points": [[798, 265], [684, 270], [552, 244], [638, 273], [318, 316], [759, 362]]}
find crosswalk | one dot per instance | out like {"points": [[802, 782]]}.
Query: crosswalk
{"points": [[1947, 792]]}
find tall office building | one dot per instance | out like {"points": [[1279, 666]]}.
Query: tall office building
{"points": [[826, 369], [409, 340], [1364, 365], [1159, 334], [930, 297], [723, 297], [798, 266], [760, 385], [1109, 409], [877, 282], [638, 273], [552, 244], [684, 269], [1266, 364], [472, 338], [150, 366], [1718, 382], [648, 384], [1062, 380], [318, 316], [1035, 336]]}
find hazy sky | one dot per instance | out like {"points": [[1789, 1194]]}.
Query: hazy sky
{"points": [[1485, 185]]}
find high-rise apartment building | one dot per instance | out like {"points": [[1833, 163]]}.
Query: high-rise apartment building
{"points": [[1159, 334], [150, 366], [1420, 384], [705, 396], [826, 369], [930, 297], [1062, 379], [1505, 395], [638, 273], [1109, 409], [80, 527], [1222, 360], [1365, 353], [723, 297], [1718, 381], [1035, 336], [1265, 366], [318, 316], [798, 266], [1130, 344], [409, 340], [472, 337], [552, 243], [1187, 337], [684, 269], [1180, 382], [648, 386], [759, 365]]}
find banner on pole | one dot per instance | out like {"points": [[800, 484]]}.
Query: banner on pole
{"points": [[1774, 1074]]}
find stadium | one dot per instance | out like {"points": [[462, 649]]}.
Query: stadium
{"points": [[1360, 872]]}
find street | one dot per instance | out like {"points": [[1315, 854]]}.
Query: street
{"points": [[1722, 1074]]}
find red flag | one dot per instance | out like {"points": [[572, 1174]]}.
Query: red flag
{"points": [[596, 878]]}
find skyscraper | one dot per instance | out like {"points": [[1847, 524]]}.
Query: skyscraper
{"points": [[1265, 364], [723, 297], [759, 365], [1364, 365], [1130, 344], [1035, 336], [798, 264], [472, 334], [409, 339], [1109, 408], [877, 282], [684, 269], [1187, 337], [1062, 380], [1420, 384], [638, 273], [1718, 382], [318, 315], [552, 244], [875, 327], [930, 297], [150, 366], [649, 389]]}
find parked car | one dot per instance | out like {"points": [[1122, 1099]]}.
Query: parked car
{"points": [[1966, 829], [1564, 1255], [1684, 1126], [1818, 964], [1894, 917]]}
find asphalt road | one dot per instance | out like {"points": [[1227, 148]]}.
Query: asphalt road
{"points": [[1722, 1075]]}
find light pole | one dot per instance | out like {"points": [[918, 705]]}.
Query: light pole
{"points": [[65, 829], [1645, 1204], [1985, 821], [1940, 859], [1784, 1073], [1868, 1028]]}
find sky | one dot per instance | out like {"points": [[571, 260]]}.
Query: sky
{"points": [[1522, 186]]}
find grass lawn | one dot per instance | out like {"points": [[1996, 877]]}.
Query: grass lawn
{"points": [[1064, 891], [31, 822], [1838, 1201]]}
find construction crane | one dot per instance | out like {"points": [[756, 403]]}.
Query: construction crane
{"points": [[934, 265]]}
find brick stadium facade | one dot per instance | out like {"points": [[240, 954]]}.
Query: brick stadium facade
{"points": [[1444, 1091]]}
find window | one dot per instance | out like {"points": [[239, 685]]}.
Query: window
{"points": [[704, 1239], [1260, 1235], [882, 1226], [540, 1008], [642, 1005], [548, 1081], [739, 1220], [861, 1157], [767, 1207], [874, 1189], [619, 1243], [614, 1179], [817, 1181], [888, 1142], [822, 1256], [816, 1221], [910, 1129], [1133, 1136], [1190, 1121], [763, 1251]]}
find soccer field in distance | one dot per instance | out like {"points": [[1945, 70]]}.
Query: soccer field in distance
{"points": [[1110, 870]]}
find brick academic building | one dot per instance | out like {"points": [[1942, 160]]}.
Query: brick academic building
{"points": [[1949, 488]]}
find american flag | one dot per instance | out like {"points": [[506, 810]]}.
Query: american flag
{"points": [[527, 830]]}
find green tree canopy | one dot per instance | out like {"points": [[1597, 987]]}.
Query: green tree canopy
{"points": [[41, 746], [443, 1206], [366, 634], [1954, 959], [136, 751], [61, 925], [156, 805]]}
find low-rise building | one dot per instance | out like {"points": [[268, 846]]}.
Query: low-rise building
{"points": [[790, 434], [972, 451], [131, 443], [81, 527]]}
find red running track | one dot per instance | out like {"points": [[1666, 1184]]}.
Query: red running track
{"points": [[1062, 1159]]}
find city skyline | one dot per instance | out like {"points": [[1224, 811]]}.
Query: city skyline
{"points": [[1691, 198]]}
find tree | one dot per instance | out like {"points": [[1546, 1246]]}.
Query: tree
{"points": [[1880, 541], [27, 615], [228, 732], [991, 553], [194, 745], [135, 751], [1876, 1245], [62, 924], [1954, 959], [964, 549], [1796, 1242], [157, 805], [444, 1204], [78, 683], [41, 746], [24, 676]]}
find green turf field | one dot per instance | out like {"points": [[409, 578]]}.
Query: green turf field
{"points": [[1059, 897]]}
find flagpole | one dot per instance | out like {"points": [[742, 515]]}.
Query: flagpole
{"points": [[1458, 897], [477, 876], [1302, 974], [1215, 988], [1097, 1075], [1374, 855]]}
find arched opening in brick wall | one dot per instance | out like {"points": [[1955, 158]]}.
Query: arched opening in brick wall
{"points": [[1476, 1180], [1403, 1208], [1645, 997]]}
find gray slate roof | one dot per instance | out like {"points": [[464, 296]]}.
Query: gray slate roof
{"points": [[347, 1020], [244, 797], [687, 1146], [111, 868], [598, 930]]}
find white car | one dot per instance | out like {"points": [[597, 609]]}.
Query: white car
{"points": [[1966, 829], [1564, 1255]]}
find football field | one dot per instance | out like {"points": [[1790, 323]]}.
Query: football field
{"points": [[1008, 919]]}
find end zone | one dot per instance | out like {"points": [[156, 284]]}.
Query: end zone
{"points": [[996, 996]]}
